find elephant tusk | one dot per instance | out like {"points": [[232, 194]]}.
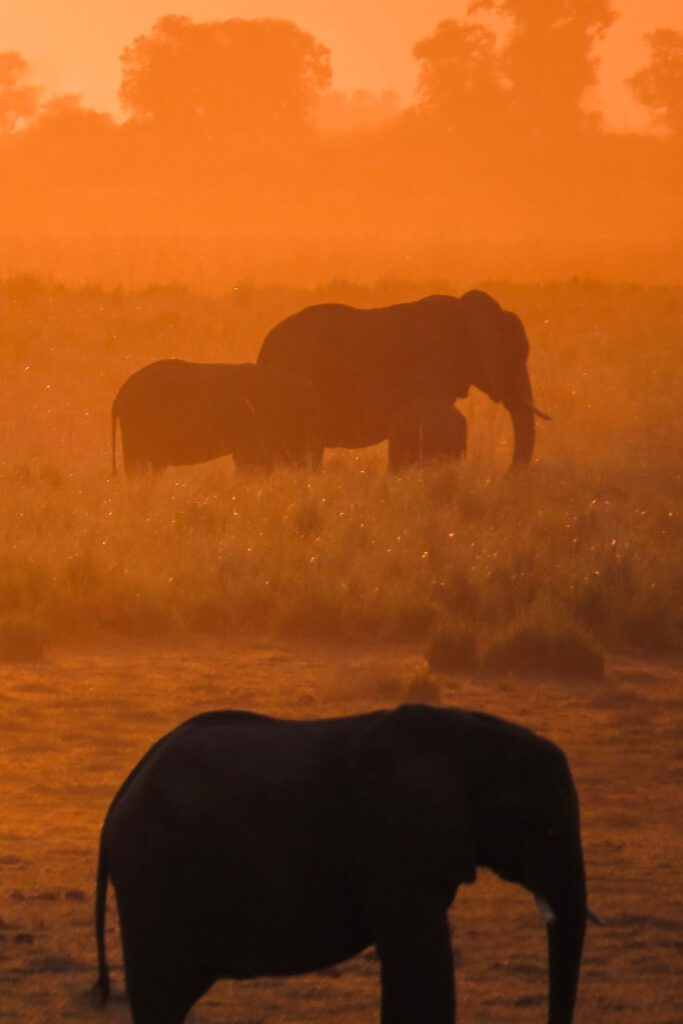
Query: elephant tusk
{"points": [[537, 412], [548, 914], [545, 910], [527, 404]]}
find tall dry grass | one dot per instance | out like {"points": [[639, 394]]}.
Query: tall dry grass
{"points": [[589, 538]]}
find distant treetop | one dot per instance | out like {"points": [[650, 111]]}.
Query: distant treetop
{"points": [[242, 76]]}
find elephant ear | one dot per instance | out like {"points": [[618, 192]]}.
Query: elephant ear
{"points": [[484, 325], [411, 806]]}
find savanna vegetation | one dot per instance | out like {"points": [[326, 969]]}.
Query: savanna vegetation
{"points": [[585, 547]]}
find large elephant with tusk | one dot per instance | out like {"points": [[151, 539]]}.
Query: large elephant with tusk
{"points": [[243, 845], [369, 364]]}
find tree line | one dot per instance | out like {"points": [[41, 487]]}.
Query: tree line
{"points": [[234, 123]]}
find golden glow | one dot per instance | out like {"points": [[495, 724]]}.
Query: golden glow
{"points": [[204, 178]]}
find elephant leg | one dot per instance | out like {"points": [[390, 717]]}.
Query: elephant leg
{"points": [[164, 991], [414, 948], [137, 462], [133, 463], [426, 432], [310, 459]]}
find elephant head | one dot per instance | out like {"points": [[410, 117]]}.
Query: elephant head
{"points": [[513, 809], [527, 831], [498, 350]]}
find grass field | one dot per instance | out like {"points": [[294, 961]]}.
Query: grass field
{"points": [[589, 539]]}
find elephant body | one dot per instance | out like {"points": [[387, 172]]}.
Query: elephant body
{"points": [[175, 413], [424, 432], [370, 364], [243, 845]]}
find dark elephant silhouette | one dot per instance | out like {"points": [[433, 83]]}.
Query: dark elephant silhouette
{"points": [[176, 413], [243, 845], [369, 364], [424, 432]]}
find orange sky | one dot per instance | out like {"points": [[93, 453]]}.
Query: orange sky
{"points": [[75, 46]]}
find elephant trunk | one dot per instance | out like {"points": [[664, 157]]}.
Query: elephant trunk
{"points": [[522, 415], [565, 944], [561, 899]]}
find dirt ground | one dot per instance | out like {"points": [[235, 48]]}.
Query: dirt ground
{"points": [[72, 727]]}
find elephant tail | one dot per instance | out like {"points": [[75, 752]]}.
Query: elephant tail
{"points": [[101, 988], [114, 421]]}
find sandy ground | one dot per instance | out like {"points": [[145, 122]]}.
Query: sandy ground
{"points": [[72, 727]]}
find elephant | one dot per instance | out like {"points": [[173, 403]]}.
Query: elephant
{"points": [[243, 845], [426, 431], [176, 413], [368, 364]]}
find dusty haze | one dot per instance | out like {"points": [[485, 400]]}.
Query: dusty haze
{"points": [[236, 156]]}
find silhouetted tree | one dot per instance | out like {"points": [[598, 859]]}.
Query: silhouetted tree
{"points": [[460, 81], [659, 85], [66, 116], [71, 141], [18, 101], [65, 144], [548, 57], [239, 77]]}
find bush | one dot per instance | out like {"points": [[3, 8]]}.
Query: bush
{"points": [[538, 650], [453, 649]]}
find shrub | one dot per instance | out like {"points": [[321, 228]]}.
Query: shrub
{"points": [[453, 648], [539, 650], [593, 607]]}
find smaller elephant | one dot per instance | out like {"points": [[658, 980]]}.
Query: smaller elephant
{"points": [[426, 431], [177, 413]]}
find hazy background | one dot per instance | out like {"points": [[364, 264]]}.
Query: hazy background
{"points": [[79, 50], [296, 141]]}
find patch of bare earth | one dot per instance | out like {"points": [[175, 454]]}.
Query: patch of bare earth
{"points": [[72, 727]]}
